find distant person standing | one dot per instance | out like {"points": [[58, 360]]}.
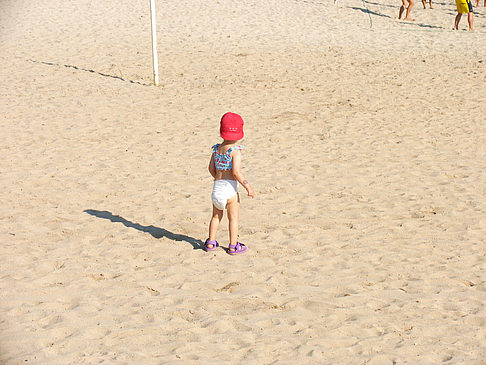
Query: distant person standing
{"points": [[464, 7], [424, 2], [406, 4], [477, 3]]}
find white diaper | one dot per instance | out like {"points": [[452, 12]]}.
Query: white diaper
{"points": [[222, 191]]}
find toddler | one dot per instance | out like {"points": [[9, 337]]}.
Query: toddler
{"points": [[225, 167]]}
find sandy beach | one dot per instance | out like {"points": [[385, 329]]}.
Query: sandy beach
{"points": [[365, 142]]}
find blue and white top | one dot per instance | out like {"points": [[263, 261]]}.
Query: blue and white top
{"points": [[224, 161]]}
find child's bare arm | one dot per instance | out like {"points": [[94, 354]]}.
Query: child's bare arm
{"points": [[239, 175], [212, 167]]}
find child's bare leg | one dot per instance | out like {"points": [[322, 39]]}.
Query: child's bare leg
{"points": [[233, 209], [214, 224], [424, 2]]}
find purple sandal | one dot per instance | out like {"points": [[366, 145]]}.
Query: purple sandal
{"points": [[213, 243], [238, 248]]}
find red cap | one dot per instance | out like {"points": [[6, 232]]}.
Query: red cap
{"points": [[231, 127]]}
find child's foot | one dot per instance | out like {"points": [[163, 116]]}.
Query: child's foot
{"points": [[236, 249], [210, 245]]}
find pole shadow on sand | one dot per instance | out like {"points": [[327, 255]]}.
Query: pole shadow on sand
{"points": [[91, 71], [156, 232]]}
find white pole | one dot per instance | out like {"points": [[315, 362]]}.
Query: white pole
{"points": [[155, 61]]}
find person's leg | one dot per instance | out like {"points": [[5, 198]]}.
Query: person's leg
{"points": [[402, 8], [470, 20], [430, 3], [409, 9], [233, 209], [424, 2], [457, 20], [214, 224]]}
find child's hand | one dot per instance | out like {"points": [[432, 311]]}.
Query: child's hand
{"points": [[248, 188]]}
